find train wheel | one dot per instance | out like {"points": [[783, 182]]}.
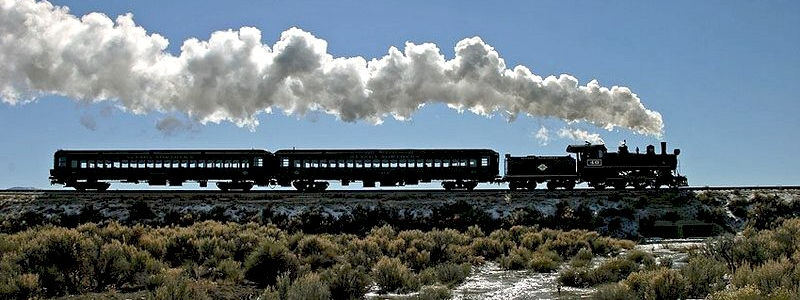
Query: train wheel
{"points": [[600, 186], [448, 186], [513, 185], [470, 185], [301, 186], [569, 185], [320, 186], [619, 185], [552, 185], [531, 185]]}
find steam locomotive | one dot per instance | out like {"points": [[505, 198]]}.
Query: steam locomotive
{"points": [[312, 170]]}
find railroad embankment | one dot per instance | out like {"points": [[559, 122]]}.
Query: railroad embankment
{"points": [[629, 214]]}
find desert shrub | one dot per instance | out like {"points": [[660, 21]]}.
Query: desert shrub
{"points": [[641, 257], [474, 231], [181, 248], [308, 287], [582, 259], [269, 260], [741, 293], [346, 282], [18, 286], [487, 247], [704, 275], [613, 291], [228, 270], [317, 251], [612, 270], [119, 264], [768, 211], [278, 291], [177, 287], [531, 240], [768, 277], [567, 244], [391, 275], [574, 276], [606, 245], [657, 284], [451, 274], [434, 292], [543, 261], [63, 259], [516, 259], [154, 243], [416, 259], [739, 206]]}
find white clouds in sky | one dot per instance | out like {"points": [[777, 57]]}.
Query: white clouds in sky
{"points": [[233, 76]]}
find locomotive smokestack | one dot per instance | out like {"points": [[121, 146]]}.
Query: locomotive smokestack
{"points": [[663, 148]]}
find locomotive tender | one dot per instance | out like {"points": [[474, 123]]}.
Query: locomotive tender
{"points": [[310, 170]]}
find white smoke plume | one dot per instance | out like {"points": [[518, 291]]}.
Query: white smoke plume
{"points": [[543, 136], [580, 135], [233, 76]]}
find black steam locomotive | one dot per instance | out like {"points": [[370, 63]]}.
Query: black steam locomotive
{"points": [[311, 170]]}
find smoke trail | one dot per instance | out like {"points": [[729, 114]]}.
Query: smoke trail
{"points": [[233, 76], [542, 135], [580, 135]]}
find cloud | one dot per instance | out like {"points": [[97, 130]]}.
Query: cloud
{"points": [[580, 135], [542, 136], [171, 125], [89, 122], [233, 76]]}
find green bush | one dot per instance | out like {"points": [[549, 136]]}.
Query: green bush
{"points": [[317, 251], [269, 260], [612, 270], [582, 259], [177, 287], [543, 261], [567, 244], [346, 282], [768, 277], [452, 274], [120, 264], [182, 248], [18, 286], [63, 259], [741, 293], [517, 259], [704, 275], [228, 270], [613, 291], [308, 287], [434, 292], [391, 275], [487, 247], [657, 284]]}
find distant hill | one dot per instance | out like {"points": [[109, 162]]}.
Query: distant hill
{"points": [[21, 188]]}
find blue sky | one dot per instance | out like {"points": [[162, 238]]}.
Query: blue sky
{"points": [[721, 73]]}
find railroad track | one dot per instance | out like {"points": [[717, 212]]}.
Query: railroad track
{"points": [[394, 191]]}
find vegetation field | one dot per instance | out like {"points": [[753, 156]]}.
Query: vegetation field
{"points": [[228, 260]]}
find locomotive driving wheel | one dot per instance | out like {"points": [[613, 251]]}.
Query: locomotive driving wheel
{"points": [[552, 185]]}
